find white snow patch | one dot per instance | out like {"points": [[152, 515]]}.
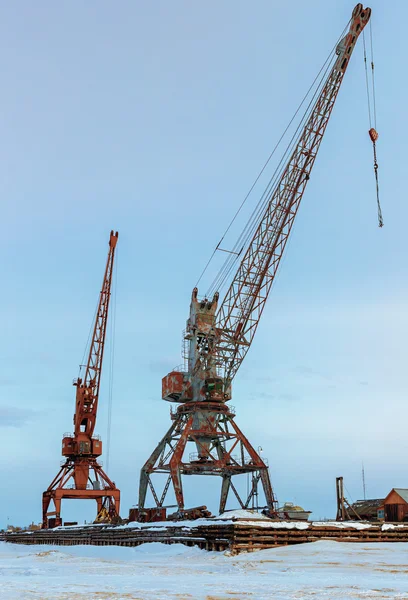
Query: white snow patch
{"points": [[342, 524], [242, 517], [249, 515], [182, 524], [388, 526], [285, 524]]}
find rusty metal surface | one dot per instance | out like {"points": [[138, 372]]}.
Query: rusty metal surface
{"points": [[218, 336], [222, 450], [81, 476], [242, 307]]}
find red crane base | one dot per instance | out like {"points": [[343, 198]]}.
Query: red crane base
{"points": [[222, 449], [99, 488]]}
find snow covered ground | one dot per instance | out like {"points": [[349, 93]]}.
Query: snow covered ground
{"points": [[329, 570]]}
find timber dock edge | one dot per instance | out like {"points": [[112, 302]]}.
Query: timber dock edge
{"points": [[235, 537]]}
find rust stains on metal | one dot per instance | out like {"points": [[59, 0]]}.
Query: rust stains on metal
{"points": [[81, 475]]}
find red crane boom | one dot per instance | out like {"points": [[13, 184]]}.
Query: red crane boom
{"points": [[88, 389], [82, 448]]}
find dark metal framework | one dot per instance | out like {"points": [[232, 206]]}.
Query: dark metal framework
{"points": [[218, 341], [81, 469], [223, 450]]}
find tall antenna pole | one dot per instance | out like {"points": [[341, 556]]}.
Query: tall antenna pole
{"points": [[364, 485]]}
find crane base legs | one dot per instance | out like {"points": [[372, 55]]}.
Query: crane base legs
{"points": [[221, 449], [99, 488]]}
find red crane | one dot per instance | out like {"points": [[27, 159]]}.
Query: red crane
{"points": [[82, 448], [218, 338]]}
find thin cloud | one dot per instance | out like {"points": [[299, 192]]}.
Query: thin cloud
{"points": [[10, 416], [309, 372], [284, 397], [162, 366], [6, 381]]}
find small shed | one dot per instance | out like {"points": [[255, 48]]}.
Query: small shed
{"points": [[366, 509], [395, 505]]}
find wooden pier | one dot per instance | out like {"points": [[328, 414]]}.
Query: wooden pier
{"points": [[237, 536]]}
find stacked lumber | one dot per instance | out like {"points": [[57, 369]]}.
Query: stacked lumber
{"points": [[208, 538], [249, 538], [211, 535]]}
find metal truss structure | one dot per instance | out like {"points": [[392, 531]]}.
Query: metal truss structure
{"points": [[218, 338], [82, 448], [223, 451], [98, 487]]}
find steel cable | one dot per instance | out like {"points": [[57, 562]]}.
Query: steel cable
{"points": [[372, 72], [373, 130], [367, 84], [111, 365], [253, 220], [87, 345]]}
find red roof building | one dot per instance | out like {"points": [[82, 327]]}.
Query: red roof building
{"points": [[395, 506]]}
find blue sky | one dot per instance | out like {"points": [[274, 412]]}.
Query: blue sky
{"points": [[154, 119]]}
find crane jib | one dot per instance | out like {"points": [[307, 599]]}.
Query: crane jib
{"points": [[219, 336], [88, 387], [245, 299]]}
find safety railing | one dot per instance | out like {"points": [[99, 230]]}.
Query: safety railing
{"points": [[234, 459]]}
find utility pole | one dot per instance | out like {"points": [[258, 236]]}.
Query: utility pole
{"points": [[364, 485]]}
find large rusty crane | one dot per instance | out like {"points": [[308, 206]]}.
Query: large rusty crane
{"points": [[218, 337], [81, 475]]}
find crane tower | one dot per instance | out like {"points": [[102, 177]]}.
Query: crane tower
{"points": [[218, 335], [81, 475]]}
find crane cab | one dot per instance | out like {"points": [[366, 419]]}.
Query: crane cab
{"points": [[86, 447], [176, 387], [214, 390]]}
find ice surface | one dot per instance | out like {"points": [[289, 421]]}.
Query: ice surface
{"points": [[324, 569]]}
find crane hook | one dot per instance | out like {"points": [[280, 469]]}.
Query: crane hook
{"points": [[374, 137]]}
